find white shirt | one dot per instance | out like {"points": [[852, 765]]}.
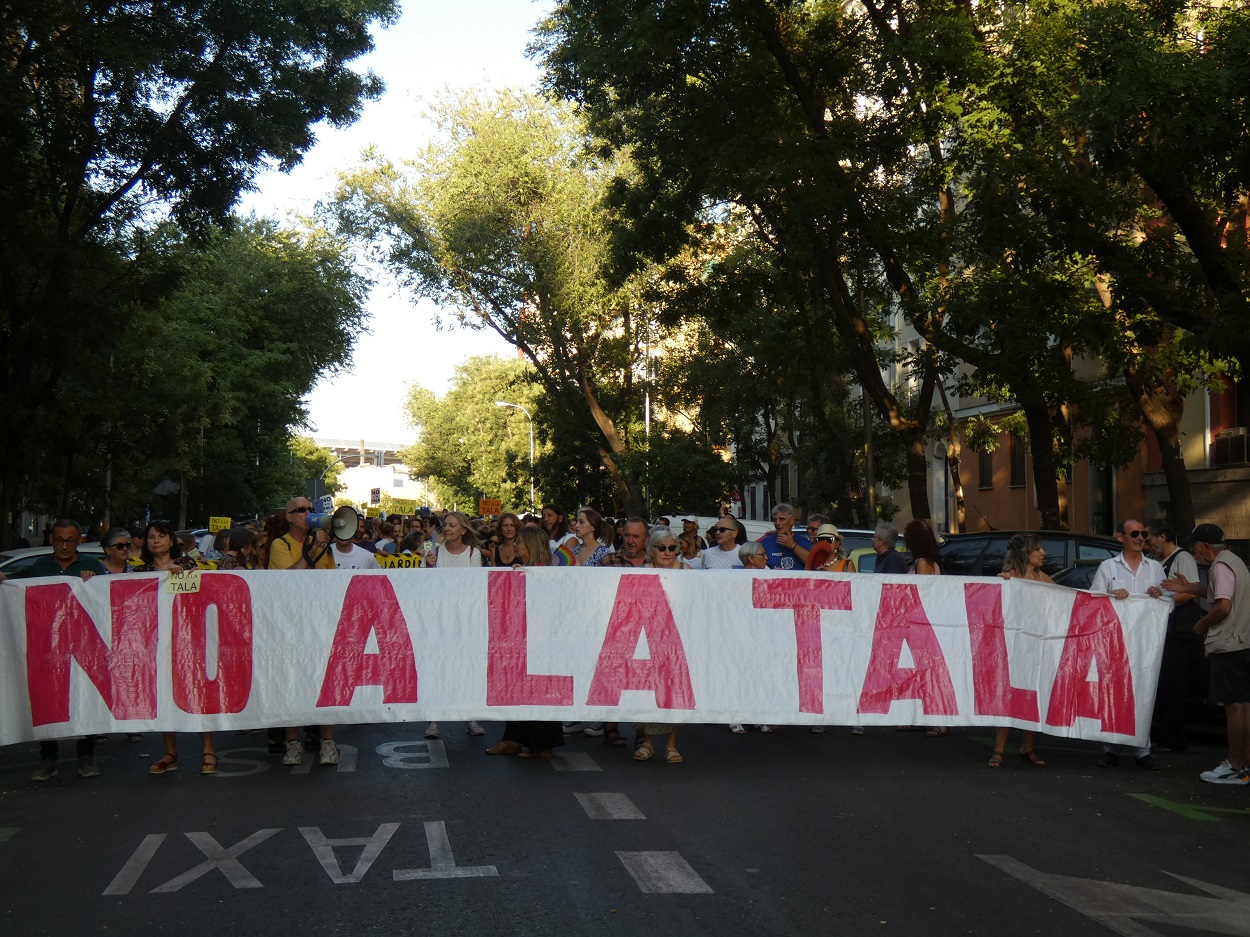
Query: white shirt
{"points": [[1115, 574], [716, 558], [470, 557], [355, 558]]}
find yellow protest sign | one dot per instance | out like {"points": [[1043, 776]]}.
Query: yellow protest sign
{"points": [[373, 512], [489, 506], [402, 506], [398, 560], [181, 581], [218, 523]]}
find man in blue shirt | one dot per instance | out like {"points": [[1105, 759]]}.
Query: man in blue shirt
{"points": [[784, 548]]}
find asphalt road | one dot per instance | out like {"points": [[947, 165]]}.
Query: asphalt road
{"points": [[789, 833]]}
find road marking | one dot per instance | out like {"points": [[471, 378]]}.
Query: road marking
{"points": [[609, 807], [1191, 811], [1122, 907], [427, 753], [7, 833], [135, 865], [323, 849], [442, 862], [663, 873], [218, 858], [574, 761], [229, 757], [347, 761]]}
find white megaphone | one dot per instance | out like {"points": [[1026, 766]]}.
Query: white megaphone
{"points": [[342, 524]]}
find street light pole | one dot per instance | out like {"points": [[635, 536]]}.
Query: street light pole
{"points": [[321, 482], [502, 403]]}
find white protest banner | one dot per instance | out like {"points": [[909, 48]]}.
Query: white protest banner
{"points": [[266, 648]]}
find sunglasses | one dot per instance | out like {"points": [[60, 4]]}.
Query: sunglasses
{"points": [[120, 545], [727, 530], [299, 511], [1137, 534], [668, 549]]}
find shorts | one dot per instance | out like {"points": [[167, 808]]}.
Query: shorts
{"points": [[1230, 677]]}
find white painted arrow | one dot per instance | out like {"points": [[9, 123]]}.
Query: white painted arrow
{"points": [[1123, 907]]}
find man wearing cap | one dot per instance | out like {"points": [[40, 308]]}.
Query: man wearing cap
{"points": [[1130, 572], [691, 526], [1226, 628]]}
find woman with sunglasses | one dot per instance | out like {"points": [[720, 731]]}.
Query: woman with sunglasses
{"points": [[162, 553], [662, 553], [722, 552], [116, 544], [530, 739]]}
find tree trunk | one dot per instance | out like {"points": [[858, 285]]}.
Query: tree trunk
{"points": [[1162, 405], [954, 457], [1045, 476], [917, 454]]}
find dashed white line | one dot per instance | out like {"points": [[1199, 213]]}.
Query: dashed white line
{"points": [[663, 873], [574, 761], [609, 806]]}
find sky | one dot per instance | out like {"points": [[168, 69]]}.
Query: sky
{"points": [[435, 45]]}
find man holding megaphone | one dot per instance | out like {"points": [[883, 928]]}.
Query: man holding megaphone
{"points": [[306, 545]]}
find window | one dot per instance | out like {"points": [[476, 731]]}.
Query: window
{"points": [[985, 469], [1018, 456], [1091, 551], [397, 483]]}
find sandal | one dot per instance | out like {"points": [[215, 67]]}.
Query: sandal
{"points": [[673, 757], [505, 748], [996, 760], [206, 766], [169, 762], [643, 752], [1031, 757], [938, 732]]}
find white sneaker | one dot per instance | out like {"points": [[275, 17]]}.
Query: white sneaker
{"points": [[570, 727], [329, 752], [474, 729], [1220, 773], [594, 730], [765, 728], [737, 729], [431, 731], [294, 753]]}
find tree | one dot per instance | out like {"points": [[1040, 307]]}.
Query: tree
{"points": [[115, 117], [468, 447], [504, 220]]}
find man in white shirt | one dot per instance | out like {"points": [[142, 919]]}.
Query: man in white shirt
{"points": [[1129, 573], [348, 555]]}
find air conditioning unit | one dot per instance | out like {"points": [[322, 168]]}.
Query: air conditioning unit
{"points": [[1232, 447]]}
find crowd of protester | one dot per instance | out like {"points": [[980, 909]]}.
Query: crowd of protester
{"points": [[448, 540]]}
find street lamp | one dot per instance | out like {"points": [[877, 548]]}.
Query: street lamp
{"points": [[501, 403], [321, 482]]}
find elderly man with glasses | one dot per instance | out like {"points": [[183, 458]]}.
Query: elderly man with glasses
{"points": [[1131, 572], [301, 548]]}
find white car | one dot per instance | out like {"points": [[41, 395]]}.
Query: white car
{"points": [[15, 563]]}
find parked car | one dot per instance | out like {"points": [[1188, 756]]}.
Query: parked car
{"points": [[16, 563], [865, 558], [982, 553]]}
